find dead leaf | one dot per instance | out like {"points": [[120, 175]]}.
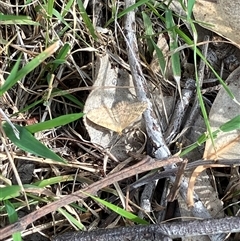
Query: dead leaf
{"points": [[227, 144], [220, 16]]}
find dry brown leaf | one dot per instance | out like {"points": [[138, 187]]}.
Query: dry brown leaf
{"points": [[227, 144], [192, 180], [220, 16]]}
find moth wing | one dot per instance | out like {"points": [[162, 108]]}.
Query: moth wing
{"points": [[103, 116], [126, 113]]}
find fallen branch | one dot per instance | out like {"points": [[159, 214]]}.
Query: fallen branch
{"points": [[156, 232]]}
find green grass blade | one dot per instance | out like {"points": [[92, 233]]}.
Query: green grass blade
{"points": [[198, 87], [71, 219], [175, 58], [86, 19], [155, 11], [120, 211], [29, 143], [14, 19], [147, 25], [61, 19], [132, 8], [161, 58], [50, 4], [231, 125], [151, 44], [67, 8], [54, 180], [190, 5], [191, 43], [62, 55], [28, 67], [127, 10], [11, 78], [9, 192], [28, 107], [148, 32], [66, 93], [49, 124], [13, 217]]}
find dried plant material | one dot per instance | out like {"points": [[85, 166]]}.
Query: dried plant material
{"points": [[119, 117], [220, 16], [179, 176], [192, 180], [227, 144]]}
